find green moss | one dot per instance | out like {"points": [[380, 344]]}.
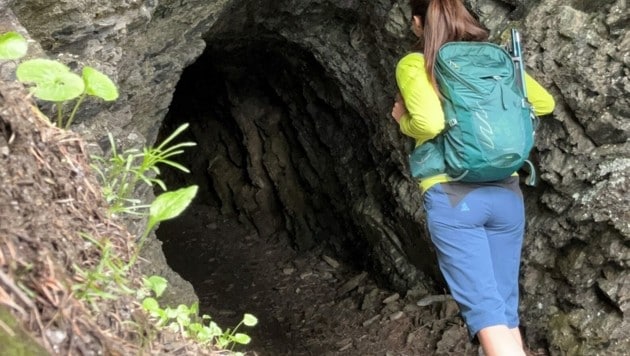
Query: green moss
{"points": [[14, 340], [563, 336]]}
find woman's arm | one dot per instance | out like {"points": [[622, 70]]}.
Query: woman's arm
{"points": [[538, 96], [423, 118]]}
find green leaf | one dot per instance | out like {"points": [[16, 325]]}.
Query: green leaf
{"points": [[250, 320], [12, 46], [214, 328], [194, 308], [203, 334], [53, 80], [171, 313], [156, 284], [174, 327], [241, 338], [223, 341], [99, 84], [182, 310], [195, 327], [170, 204], [179, 130], [150, 304]]}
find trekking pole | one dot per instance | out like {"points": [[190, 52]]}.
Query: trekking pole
{"points": [[517, 57]]}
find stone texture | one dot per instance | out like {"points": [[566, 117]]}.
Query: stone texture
{"points": [[290, 106]]}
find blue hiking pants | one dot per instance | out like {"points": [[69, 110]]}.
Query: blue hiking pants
{"points": [[477, 230]]}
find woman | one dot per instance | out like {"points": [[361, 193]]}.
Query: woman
{"points": [[477, 228]]}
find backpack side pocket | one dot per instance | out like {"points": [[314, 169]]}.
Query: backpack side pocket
{"points": [[427, 159]]}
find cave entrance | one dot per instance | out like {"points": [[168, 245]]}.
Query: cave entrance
{"points": [[276, 157]]}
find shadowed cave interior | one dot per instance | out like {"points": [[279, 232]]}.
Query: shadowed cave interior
{"points": [[279, 159]]}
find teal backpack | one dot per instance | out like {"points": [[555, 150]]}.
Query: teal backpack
{"points": [[489, 122]]}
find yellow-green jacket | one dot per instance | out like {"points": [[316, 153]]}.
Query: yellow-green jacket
{"points": [[425, 119]]}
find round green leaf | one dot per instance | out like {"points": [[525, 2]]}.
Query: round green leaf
{"points": [[170, 204], [182, 310], [150, 304], [250, 320], [241, 338], [194, 308], [99, 84], [156, 284], [53, 80], [204, 334], [174, 327], [12, 46], [215, 330], [171, 313]]}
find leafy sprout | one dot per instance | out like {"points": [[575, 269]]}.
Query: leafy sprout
{"points": [[99, 85], [53, 80], [96, 84], [166, 206], [12, 46], [156, 284]]}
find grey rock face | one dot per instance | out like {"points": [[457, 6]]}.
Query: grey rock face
{"points": [[298, 136]]}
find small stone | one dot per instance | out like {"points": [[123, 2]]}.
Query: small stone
{"points": [[346, 347], [306, 275], [331, 262], [397, 315], [344, 342], [392, 298], [410, 308], [411, 338], [352, 283], [371, 320], [370, 300], [56, 337], [251, 237], [288, 270], [326, 275]]}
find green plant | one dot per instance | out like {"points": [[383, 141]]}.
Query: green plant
{"points": [[107, 280], [166, 206], [12, 46], [184, 320], [121, 172], [53, 81]]}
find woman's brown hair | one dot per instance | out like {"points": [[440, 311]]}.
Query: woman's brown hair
{"points": [[444, 21]]}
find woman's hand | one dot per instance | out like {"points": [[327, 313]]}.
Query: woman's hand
{"points": [[399, 108]]}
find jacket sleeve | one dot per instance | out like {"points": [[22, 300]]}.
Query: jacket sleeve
{"points": [[539, 97], [424, 118]]}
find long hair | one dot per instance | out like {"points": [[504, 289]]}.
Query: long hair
{"points": [[444, 21]]}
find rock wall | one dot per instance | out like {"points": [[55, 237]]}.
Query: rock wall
{"points": [[575, 274], [579, 226]]}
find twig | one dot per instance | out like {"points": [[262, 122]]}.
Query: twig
{"points": [[38, 156], [15, 289], [6, 300], [38, 320], [7, 329]]}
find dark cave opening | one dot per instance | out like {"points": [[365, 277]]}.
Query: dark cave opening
{"points": [[279, 160], [275, 143]]}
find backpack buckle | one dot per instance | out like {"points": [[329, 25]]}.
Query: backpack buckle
{"points": [[452, 122]]}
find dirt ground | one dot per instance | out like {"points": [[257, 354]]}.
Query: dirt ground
{"points": [[306, 303]]}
